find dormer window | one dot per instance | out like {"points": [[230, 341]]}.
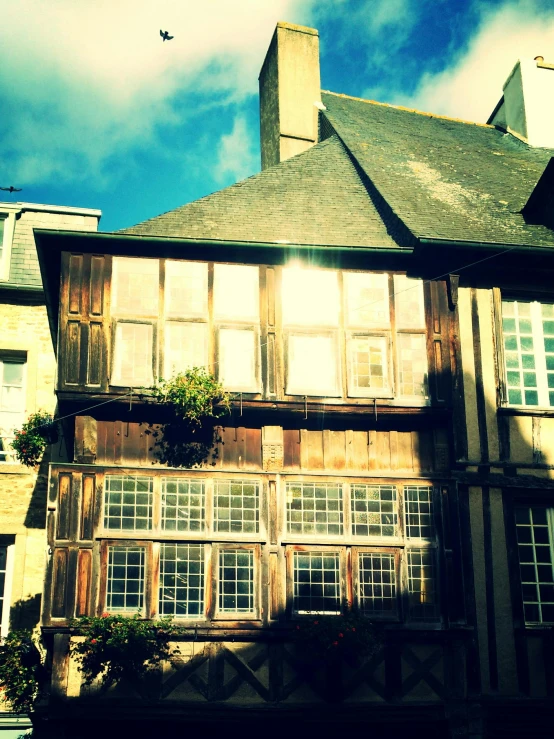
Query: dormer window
{"points": [[7, 222]]}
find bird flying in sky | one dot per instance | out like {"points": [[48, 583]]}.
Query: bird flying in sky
{"points": [[165, 35], [11, 188]]}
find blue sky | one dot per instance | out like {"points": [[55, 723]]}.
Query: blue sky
{"points": [[96, 111]]}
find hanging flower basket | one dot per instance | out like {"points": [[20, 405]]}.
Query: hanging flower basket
{"points": [[35, 435]]}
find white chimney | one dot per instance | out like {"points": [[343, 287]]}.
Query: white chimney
{"points": [[527, 106]]}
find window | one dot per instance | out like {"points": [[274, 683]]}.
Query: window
{"points": [[7, 225], [341, 333], [181, 592], [535, 537], [236, 582], [384, 547], [374, 510], [382, 320], [310, 303], [237, 318], [183, 504], [316, 583], [186, 313], [528, 337], [236, 506], [125, 582], [377, 577], [128, 502], [12, 402], [6, 567], [135, 290], [314, 508], [204, 536]]}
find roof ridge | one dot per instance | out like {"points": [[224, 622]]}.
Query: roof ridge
{"points": [[409, 110]]}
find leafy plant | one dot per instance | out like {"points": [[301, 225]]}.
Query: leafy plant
{"points": [[350, 635], [34, 436], [194, 394], [116, 647], [197, 400], [21, 670]]}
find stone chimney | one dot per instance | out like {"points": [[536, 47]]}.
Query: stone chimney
{"points": [[527, 107], [290, 93]]}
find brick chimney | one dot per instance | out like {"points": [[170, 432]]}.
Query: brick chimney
{"points": [[290, 91], [527, 107]]}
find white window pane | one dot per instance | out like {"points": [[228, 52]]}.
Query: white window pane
{"points": [[133, 355], [236, 292], [135, 286], [186, 289], [408, 299], [312, 366], [12, 396], [368, 365], [367, 299], [310, 297], [186, 346], [237, 359], [412, 365]]}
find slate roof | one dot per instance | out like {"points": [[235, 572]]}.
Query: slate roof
{"points": [[315, 198], [444, 178]]}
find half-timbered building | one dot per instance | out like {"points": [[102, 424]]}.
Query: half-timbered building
{"points": [[378, 303]]}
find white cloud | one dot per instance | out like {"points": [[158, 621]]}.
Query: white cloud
{"points": [[82, 81], [235, 156], [471, 85]]}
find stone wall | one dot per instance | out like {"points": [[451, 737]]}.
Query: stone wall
{"points": [[23, 491]]}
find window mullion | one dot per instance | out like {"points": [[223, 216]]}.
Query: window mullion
{"points": [[540, 358]]}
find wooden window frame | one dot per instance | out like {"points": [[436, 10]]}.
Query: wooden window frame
{"points": [[145, 322], [208, 534], [221, 616], [396, 552], [346, 332], [344, 590], [105, 546]]}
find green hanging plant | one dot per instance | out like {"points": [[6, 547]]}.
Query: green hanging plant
{"points": [[35, 435], [21, 670], [197, 400], [117, 647]]}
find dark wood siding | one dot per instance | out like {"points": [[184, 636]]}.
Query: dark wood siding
{"points": [[84, 324]]}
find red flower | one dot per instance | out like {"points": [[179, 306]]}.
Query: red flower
{"points": [[105, 614], [93, 641], [335, 643], [341, 635], [353, 628]]}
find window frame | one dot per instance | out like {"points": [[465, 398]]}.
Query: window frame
{"points": [[396, 553], [500, 297], [344, 333], [157, 533], [14, 357], [529, 504], [8, 218], [290, 551], [216, 614], [7, 542], [348, 546]]}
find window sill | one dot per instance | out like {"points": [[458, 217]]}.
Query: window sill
{"points": [[514, 410]]}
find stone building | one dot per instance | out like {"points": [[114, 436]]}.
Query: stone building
{"points": [[378, 300]]}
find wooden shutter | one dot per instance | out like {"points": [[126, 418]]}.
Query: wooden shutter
{"points": [[84, 322]]}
